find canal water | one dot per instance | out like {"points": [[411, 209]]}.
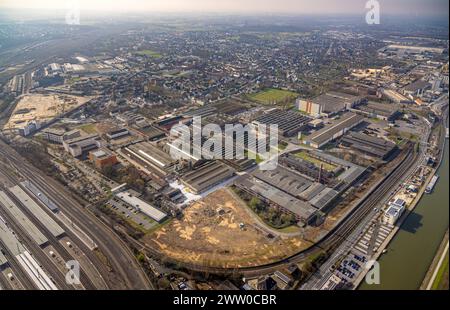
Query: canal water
{"points": [[412, 250]]}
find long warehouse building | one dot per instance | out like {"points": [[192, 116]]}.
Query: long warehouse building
{"points": [[336, 130], [37, 211], [289, 123], [40, 196], [207, 176], [22, 219], [10, 240], [372, 146], [142, 206], [151, 157], [298, 186], [302, 210]]}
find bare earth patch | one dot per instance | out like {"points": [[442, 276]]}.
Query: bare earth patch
{"points": [[42, 108], [218, 232]]}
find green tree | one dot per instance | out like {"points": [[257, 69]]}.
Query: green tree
{"points": [[140, 257], [254, 203]]}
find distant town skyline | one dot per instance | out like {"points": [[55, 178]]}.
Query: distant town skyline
{"points": [[391, 7]]}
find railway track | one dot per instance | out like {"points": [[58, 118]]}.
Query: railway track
{"points": [[112, 258], [4, 285], [49, 267], [127, 272], [372, 201], [333, 239], [54, 242], [92, 257], [20, 274], [328, 243]]}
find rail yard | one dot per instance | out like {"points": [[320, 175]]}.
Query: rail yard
{"points": [[194, 153]]}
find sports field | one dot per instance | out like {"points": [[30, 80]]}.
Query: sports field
{"points": [[273, 96]]}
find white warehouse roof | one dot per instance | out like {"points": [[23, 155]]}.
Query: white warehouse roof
{"points": [[142, 206]]}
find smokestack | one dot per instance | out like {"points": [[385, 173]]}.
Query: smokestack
{"points": [[320, 174]]}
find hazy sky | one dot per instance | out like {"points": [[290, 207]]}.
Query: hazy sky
{"points": [[403, 7]]}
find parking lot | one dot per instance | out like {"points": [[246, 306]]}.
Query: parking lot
{"points": [[370, 243], [355, 262], [129, 213]]}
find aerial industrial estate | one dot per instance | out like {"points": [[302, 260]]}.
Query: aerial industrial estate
{"points": [[88, 176]]}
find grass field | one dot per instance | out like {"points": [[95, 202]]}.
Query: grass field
{"points": [[89, 128], [74, 80], [282, 146], [305, 156], [441, 281], [273, 96], [400, 137], [149, 53]]}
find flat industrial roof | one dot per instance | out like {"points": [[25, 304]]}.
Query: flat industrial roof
{"points": [[208, 175], [300, 208], [150, 131], [373, 145], [117, 131], [54, 131], [297, 185], [289, 122], [334, 101], [312, 191], [347, 121], [41, 196], [22, 219], [394, 210], [203, 111], [151, 153], [379, 108], [351, 172], [323, 198], [417, 85], [99, 153], [284, 179], [82, 138], [37, 211], [395, 95], [143, 206], [9, 240]]}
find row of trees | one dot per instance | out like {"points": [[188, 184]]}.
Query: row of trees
{"points": [[271, 215], [129, 175]]}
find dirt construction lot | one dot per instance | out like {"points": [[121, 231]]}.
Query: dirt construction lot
{"points": [[211, 234], [43, 108]]}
